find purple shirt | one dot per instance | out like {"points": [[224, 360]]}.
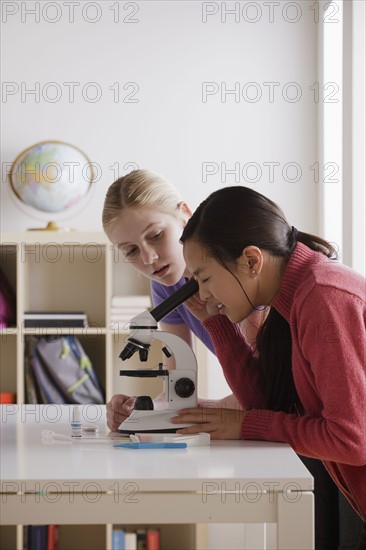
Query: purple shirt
{"points": [[181, 314]]}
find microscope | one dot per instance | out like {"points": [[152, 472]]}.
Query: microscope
{"points": [[180, 384]]}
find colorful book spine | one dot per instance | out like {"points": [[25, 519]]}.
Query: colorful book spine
{"points": [[52, 539], [153, 539], [130, 541], [37, 537], [118, 539], [141, 539]]}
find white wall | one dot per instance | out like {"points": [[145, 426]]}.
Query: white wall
{"points": [[169, 52]]}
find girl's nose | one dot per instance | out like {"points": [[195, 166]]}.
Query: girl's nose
{"points": [[149, 256], [204, 294]]}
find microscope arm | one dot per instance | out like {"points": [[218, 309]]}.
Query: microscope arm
{"points": [[180, 384]]}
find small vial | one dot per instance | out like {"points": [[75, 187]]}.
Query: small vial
{"points": [[76, 429]]}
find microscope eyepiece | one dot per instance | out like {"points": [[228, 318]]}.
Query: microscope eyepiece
{"points": [[174, 300]]}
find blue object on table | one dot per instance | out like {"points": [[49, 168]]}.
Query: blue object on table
{"points": [[151, 445]]}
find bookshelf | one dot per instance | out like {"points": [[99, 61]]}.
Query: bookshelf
{"points": [[75, 271], [69, 271]]}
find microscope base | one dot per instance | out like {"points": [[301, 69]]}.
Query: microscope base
{"points": [[150, 422]]}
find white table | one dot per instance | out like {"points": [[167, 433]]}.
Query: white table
{"points": [[85, 483]]}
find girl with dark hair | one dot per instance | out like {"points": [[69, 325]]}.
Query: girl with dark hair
{"points": [[305, 382]]}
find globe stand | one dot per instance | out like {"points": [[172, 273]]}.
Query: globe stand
{"points": [[51, 226]]}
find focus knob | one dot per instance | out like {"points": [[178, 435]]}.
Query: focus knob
{"points": [[144, 403], [184, 387]]}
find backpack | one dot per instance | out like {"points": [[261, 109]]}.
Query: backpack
{"points": [[61, 372]]}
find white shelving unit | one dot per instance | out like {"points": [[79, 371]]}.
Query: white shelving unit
{"points": [[69, 271], [75, 271]]}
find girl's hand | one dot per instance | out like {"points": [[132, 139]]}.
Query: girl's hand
{"points": [[200, 309], [220, 423], [118, 409]]}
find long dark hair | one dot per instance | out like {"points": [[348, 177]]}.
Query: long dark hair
{"points": [[229, 220]]}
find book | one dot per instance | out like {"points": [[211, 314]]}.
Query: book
{"points": [[141, 539], [55, 319], [52, 538], [130, 541], [37, 537], [118, 539], [153, 539], [55, 323], [55, 315]]}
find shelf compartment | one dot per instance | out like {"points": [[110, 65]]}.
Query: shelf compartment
{"points": [[66, 277], [8, 537], [125, 279], [94, 346]]}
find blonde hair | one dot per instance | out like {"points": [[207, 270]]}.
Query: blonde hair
{"points": [[139, 188]]}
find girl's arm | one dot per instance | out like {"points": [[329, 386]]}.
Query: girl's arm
{"points": [[228, 402], [238, 361]]}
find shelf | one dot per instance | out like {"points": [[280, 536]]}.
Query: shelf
{"points": [[65, 280], [95, 537], [8, 332], [52, 331], [66, 271]]}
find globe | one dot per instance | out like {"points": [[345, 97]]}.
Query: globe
{"points": [[51, 176]]}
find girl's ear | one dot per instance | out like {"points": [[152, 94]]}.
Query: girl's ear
{"points": [[184, 208], [252, 260]]}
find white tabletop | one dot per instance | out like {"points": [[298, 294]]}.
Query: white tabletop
{"points": [[26, 460]]}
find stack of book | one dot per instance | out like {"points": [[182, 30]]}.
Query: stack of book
{"points": [[40, 537], [124, 308], [55, 319], [141, 539]]}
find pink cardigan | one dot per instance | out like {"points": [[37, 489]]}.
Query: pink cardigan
{"points": [[324, 303]]}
